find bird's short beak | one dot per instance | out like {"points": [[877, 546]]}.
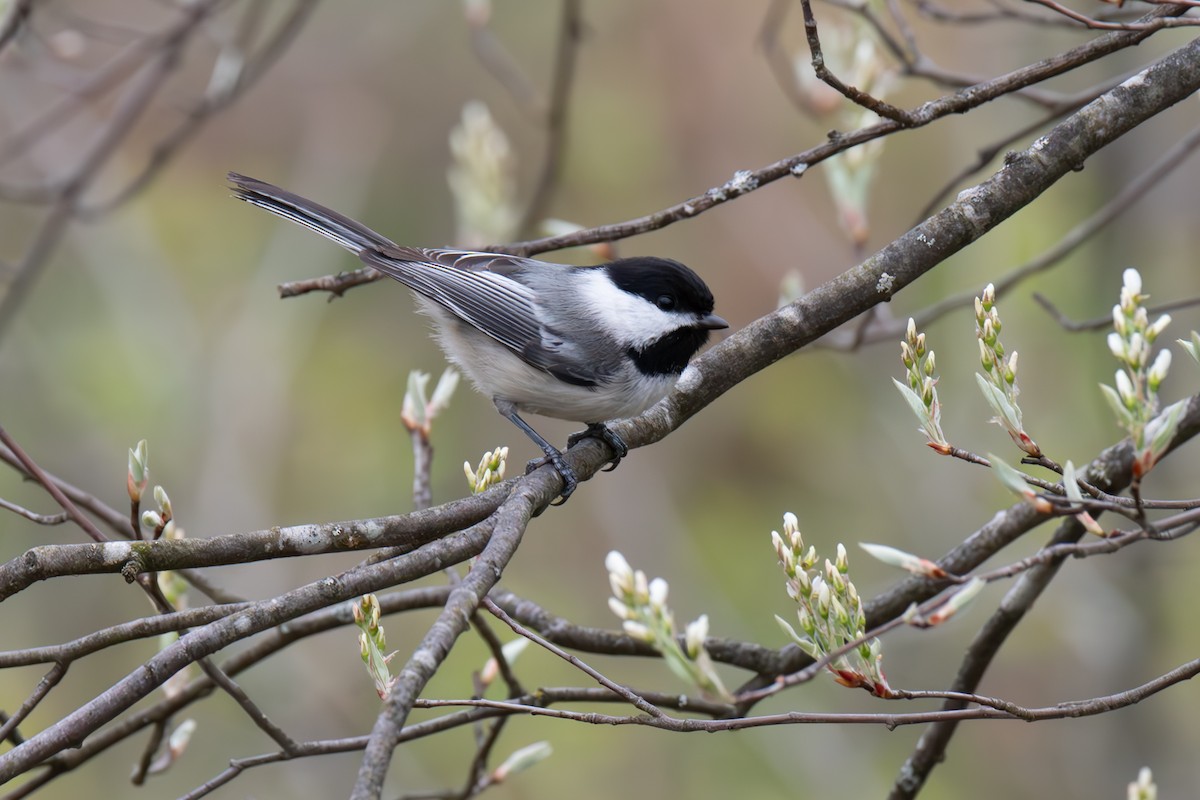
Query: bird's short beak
{"points": [[711, 322]]}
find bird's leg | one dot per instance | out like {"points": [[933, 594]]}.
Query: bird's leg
{"points": [[552, 453], [598, 430]]}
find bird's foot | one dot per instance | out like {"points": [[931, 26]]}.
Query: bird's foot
{"points": [[556, 460], [598, 430]]}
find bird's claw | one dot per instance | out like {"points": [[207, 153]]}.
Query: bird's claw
{"points": [[594, 431], [598, 430], [562, 468]]}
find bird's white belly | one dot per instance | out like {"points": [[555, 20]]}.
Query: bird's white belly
{"points": [[498, 373]]}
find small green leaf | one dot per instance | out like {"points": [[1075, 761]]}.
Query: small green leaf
{"points": [[914, 402], [1124, 416], [1008, 415], [790, 631], [1011, 477], [904, 560], [1161, 430], [522, 760], [956, 602], [1071, 483], [1192, 348]]}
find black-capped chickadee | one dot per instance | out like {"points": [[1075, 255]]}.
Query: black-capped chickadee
{"points": [[587, 344]]}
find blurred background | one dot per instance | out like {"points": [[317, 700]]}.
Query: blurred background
{"points": [[160, 319]]}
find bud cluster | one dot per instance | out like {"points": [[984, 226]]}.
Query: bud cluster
{"points": [[138, 474], [489, 472], [419, 410], [830, 611], [642, 607], [372, 643], [998, 382], [483, 179], [921, 391], [1134, 399]]}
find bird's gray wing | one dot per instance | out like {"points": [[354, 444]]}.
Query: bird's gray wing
{"points": [[477, 288]]}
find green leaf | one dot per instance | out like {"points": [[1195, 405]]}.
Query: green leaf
{"points": [[1011, 477], [1124, 415], [1008, 415], [790, 631], [1192, 348], [1161, 430], [1071, 483], [914, 402]]}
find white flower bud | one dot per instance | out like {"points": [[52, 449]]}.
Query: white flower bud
{"points": [[164, 502], [1125, 389], [697, 632], [824, 597], [1132, 281], [1139, 351], [1116, 346], [1159, 325], [658, 593], [621, 610], [1158, 370], [986, 357], [637, 630], [615, 562], [641, 591]]}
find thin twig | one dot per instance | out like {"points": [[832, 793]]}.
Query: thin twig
{"points": [[569, 38], [503, 666], [158, 732], [8, 731], [857, 96], [1098, 221], [634, 699], [1101, 25], [1099, 323], [256, 714], [31, 467], [997, 710], [33, 516]]}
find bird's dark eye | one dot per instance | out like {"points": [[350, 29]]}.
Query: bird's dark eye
{"points": [[666, 302]]}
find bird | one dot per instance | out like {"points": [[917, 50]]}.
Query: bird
{"points": [[589, 344]]}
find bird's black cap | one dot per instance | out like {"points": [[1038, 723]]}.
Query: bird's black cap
{"points": [[657, 278]]}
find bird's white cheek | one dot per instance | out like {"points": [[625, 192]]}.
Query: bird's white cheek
{"points": [[627, 317]]}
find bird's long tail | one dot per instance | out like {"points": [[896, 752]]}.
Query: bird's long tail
{"points": [[351, 235]]}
